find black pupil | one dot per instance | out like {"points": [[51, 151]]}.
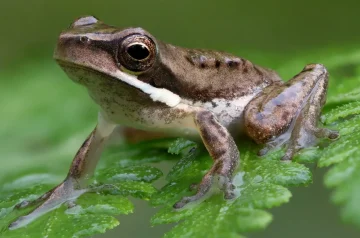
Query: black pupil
{"points": [[138, 51]]}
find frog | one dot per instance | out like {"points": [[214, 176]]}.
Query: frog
{"points": [[210, 96]]}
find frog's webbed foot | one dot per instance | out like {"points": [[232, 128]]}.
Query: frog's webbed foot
{"points": [[305, 134], [30, 203], [223, 150], [203, 189], [75, 184], [64, 192], [288, 114]]}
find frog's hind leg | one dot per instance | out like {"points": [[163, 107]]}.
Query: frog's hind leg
{"points": [[289, 113]]}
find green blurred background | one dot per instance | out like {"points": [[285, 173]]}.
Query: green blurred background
{"points": [[44, 116]]}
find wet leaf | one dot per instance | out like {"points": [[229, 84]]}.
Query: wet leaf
{"points": [[259, 185], [344, 154], [51, 124]]}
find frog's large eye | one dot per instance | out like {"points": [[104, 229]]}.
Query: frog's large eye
{"points": [[137, 53]]}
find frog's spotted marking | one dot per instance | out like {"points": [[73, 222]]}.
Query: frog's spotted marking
{"points": [[212, 59], [156, 94], [217, 63], [232, 63]]}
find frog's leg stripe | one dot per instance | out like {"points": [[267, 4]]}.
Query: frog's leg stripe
{"points": [[222, 149]]}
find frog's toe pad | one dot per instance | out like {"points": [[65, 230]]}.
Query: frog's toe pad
{"points": [[71, 204], [23, 204], [204, 189], [264, 151], [332, 135], [193, 187], [29, 203], [227, 187], [185, 200]]}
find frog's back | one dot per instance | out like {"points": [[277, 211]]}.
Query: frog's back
{"points": [[202, 75]]}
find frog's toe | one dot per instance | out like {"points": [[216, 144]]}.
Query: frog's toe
{"points": [[185, 200], [227, 187], [193, 186], [289, 154], [202, 189], [29, 203], [264, 150], [71, 204], [306, 136], [24, 204], [326, 133], [334, 135], [272, 144], [224, 183]]}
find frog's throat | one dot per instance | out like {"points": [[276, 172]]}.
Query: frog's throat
{"points": [[156, 94]]}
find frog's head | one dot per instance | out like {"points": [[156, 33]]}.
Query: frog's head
{"points": [[91, 51]]}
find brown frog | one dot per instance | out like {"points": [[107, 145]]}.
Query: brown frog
{"points": [[143, 83]]}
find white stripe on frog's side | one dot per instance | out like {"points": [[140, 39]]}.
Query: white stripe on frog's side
{"points": [[156, 94], [229, 111]]}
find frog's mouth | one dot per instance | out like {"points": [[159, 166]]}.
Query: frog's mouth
{"points": [[156, 94], [73, 70]]}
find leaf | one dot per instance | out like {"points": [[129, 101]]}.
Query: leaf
{"points": [[259, 185], [343, 113], [180, 145], [51, 124], [94, 213], [345, 156]]}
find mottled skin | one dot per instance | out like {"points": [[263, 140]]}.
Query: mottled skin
{"points": [[220, 75], [217, 96]]}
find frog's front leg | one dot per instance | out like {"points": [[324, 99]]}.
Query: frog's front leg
{"points": [[223, 150], [289, 113], [75, 184]]}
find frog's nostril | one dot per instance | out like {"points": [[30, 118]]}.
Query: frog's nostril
{"points": [[84, 39], [84, 21]]}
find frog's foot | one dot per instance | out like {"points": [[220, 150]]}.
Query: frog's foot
{"points": [[304, 134], [30, 203], [65, 192], [203, 189], [295, 141]]}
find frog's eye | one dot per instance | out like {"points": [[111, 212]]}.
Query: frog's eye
{"points": [[137, 53]]}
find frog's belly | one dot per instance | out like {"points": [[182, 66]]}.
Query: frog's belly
{"points": [[179, 120]]}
